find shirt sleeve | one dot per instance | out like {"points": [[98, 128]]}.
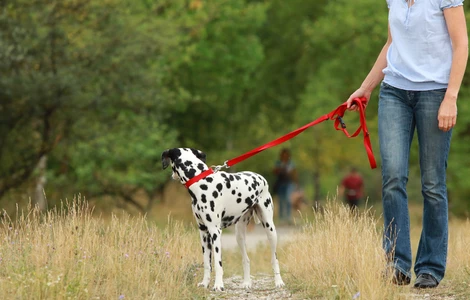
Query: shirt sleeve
{"points": [[450, 3], [388, 3]]}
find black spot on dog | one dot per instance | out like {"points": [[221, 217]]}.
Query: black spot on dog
{"points": [[219, 186], [217, 249], [267, 224], [203, 198], [215, 194], [239, 200], [193, 197], [220, 263], [214, 237], [230, 178], [209, 179], [228, 219], [228, 185], [223, 175], [246, 181], [202, 227], [212, 203], [190, 173], [200, 167], [233, 192], [223, 213], [203, 187], [239, 194], [267, 202], [238, 177], [249, 202], [188, 163], [208, 218]]}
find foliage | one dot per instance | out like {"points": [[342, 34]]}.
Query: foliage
{"points": [[103, 87]]}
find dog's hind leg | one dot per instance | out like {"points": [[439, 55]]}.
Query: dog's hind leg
{"points": [[240, 232], [265, 212], [207, 254]]}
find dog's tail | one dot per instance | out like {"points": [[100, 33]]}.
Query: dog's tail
{"points": [[255, 216]]}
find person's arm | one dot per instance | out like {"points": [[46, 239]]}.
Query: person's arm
{"points": [[341, 189], [457, 27], [374, 77]]}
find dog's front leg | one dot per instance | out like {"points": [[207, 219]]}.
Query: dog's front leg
{"points": [[207, 253], [215, 238]]}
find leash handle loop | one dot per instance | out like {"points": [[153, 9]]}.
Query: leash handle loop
{"points": [[336, 115]]}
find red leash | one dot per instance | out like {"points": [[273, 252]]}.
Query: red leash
{"points": [[336, 115]]}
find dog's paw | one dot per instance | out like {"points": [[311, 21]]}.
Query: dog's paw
{"points": [[218, 288], [246, 285], [279, 283]]}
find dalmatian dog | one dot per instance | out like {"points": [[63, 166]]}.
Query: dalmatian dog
{"points": [[220, 200]]}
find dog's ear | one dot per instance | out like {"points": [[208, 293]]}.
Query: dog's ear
{"points": [[199, 154], [166, 159]]}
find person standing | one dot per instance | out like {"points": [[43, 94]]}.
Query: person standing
{"points": [[352, 188], [420, 68], [285, 183]]}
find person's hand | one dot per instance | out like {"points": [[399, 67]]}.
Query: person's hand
{"points": [[359, 93], [447, 114]]}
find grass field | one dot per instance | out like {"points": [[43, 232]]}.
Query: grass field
{"points": [[73, 253]]}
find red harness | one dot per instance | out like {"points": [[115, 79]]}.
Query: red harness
{"points": [[336, 115]]}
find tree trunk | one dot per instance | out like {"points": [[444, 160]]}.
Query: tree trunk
{"points": [[39, 198]]}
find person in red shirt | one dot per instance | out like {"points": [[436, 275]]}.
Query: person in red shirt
{"points": [[352, 188]]}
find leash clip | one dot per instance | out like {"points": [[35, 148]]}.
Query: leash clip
{"points": [[343, 125], [219, 167]]}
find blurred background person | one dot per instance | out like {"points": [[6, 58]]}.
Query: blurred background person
{"points": [[352, 188], [286, 178]]}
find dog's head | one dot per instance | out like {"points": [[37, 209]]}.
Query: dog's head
{"points": [[185, 162]]}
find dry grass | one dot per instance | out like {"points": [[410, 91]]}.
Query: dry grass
{"points": [[339, 256], [71, 254], [67, 254]]}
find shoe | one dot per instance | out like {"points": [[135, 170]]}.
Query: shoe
{"points": [[400, 279], [426, 281]]}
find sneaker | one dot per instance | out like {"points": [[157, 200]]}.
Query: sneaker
{"points": [[400, 279], [426, 281]]}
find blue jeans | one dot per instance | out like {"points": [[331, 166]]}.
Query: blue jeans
{"points": [[400, 112], [284, 193]]}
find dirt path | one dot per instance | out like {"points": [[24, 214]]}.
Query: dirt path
{"points": [[263, 284], [263, 288]]}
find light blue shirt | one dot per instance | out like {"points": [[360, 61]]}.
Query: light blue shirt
{"points": [[420, 55]]}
